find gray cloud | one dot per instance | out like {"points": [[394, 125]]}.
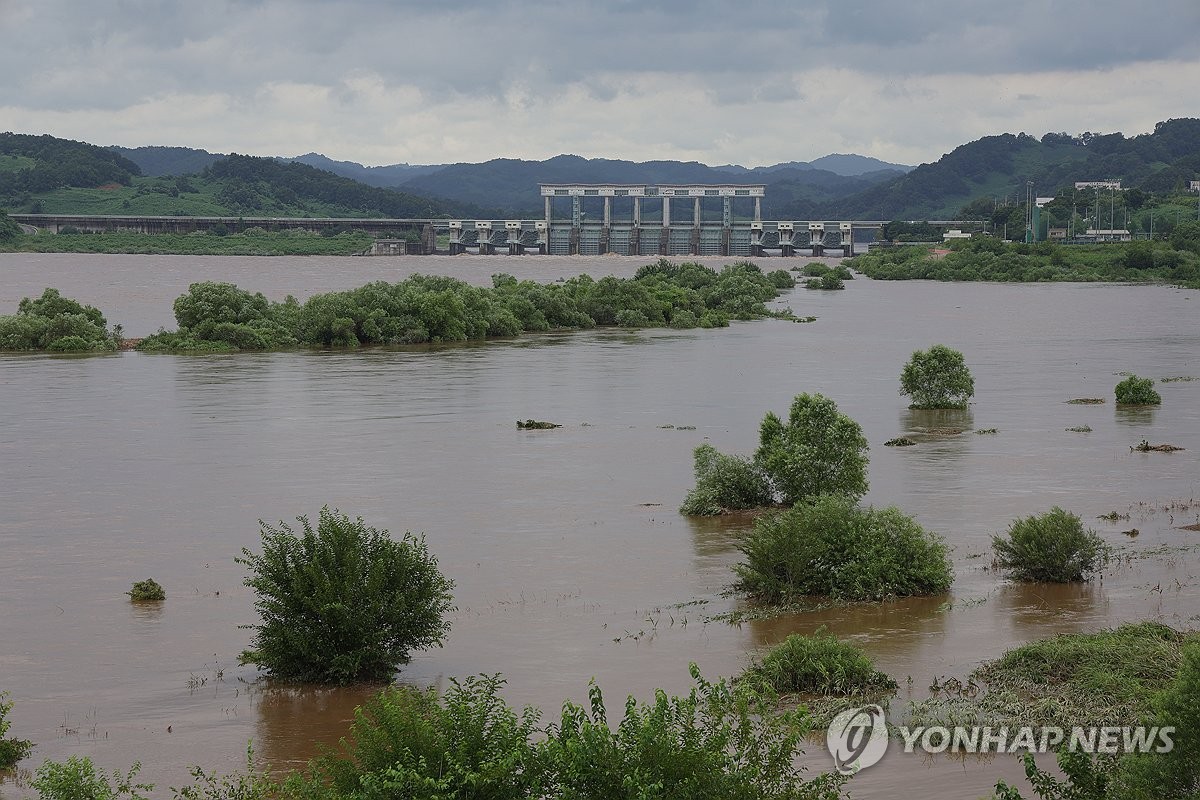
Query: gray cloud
{"points": [[304, 72]]}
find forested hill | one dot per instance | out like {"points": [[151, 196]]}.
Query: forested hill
{"points": [[999, 166], [44, 174], [511, 185], [251, 184], [158, 161], [30, 164]]}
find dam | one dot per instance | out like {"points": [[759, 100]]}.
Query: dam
{"points": [[578, 219]]}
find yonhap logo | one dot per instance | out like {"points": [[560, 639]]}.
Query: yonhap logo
{"points": [[857, 739]]}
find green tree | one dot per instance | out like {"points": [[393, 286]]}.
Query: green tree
{"points": [[9, 230], [833, 548], [725, 483], [1053, 547], [11, 750], [1135, 391], [817, 451], [937, 378], [344, 602]]}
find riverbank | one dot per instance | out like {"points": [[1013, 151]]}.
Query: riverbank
{"points": [[247, 243], [1176, 262]]}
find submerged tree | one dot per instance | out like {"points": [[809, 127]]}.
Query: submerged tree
{"points": [[343, 602], [937, 378], [817, 451]]}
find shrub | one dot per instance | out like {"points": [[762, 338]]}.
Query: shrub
{"points": [[344, 602], [817, 451], [816, 269], [725, 483], [827, 281], [716, 743], [1053, 548], [1135, 391], [781, 279], [684, 320], [56, 323], [632, 318], [833, 548], [1174, 775], [937, 378], [78, 779], [148, 590], [405, 743], [11, 750], [818, 664]]}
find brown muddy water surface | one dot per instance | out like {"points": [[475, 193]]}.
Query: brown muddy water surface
{"points": [[569, 557]]}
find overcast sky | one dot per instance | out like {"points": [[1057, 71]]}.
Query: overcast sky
{"points": [[746, 82]]}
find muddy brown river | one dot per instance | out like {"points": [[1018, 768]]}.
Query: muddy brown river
{"points": [[569, 557]]}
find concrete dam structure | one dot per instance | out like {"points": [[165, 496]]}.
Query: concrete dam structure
{"points": [[621, 219]]}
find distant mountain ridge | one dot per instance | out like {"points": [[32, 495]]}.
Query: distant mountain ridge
{"points": [[508, 187], [972, 179]]}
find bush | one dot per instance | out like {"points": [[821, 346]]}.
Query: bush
{"points": [[683, 320], [828, 281], [344, 602], [725, 483], [404, 743], [1135, 391], [1174, 775], [817, 451], [781, 279], [78, 779], [1052, 548], [56, 323], [146, 591], [833, 548], [11, 750], [937, 378], [818, 664], [715, 743]]}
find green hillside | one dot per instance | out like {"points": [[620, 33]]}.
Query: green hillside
{"points": [[42, 174], [998, 167]]}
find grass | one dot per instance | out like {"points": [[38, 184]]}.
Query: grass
{"points": [[1108, 677], [819, 664]]}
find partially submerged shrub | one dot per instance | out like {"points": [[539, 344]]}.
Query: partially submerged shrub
{"points": [[343, 602], [781, 279], [725, 483], [146, 591], [79, 779], [55, 323], [1053, 547], [1135, 391], [937, 378], [818, 664], [817, 451], [405, 743], [828, 281], [717, 742], [833, 548], [11, 750]]}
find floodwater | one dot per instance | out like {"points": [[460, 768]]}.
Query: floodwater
{"points": [[569, 558]]}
